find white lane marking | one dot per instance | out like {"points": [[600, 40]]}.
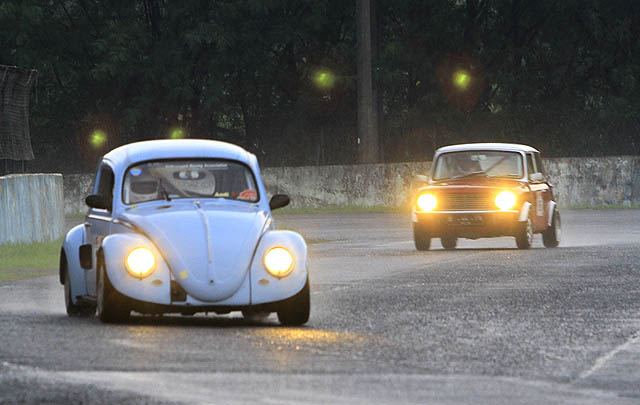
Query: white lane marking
{"points": [[602, 360], [322, 388], [131, 343]]}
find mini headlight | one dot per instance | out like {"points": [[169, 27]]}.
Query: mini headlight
{"points": [[140, 262], [505, 200], [427, 202], [278, 262]]}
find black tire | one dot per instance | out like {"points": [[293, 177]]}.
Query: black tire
{"points": [[112, 307], [72, 309], [294, 311], [255, 316], [524, 237], [449, 242], [551, 237], [421, 236]]}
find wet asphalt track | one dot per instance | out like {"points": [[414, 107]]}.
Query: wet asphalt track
{"points": [[486, 323]]}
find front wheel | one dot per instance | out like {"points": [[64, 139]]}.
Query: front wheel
{"points": [[551, 236], [112, 306], [449, 242], [421, 236], [524, 237], [294, 311]]}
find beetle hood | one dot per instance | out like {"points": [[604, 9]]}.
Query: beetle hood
{"points": [[207, 245]]}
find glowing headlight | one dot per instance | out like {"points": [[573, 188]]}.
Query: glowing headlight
{"points": [[427, 202], [140, 262], [505, 200], [278, 261]]}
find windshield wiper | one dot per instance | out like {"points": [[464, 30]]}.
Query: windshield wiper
{"points": [[496, 164], [164, 191], [470, 174]]}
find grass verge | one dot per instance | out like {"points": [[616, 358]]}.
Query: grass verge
{"points": [[79, 214], [354, 209], [348, 209], [28, 260], [604, 207]]}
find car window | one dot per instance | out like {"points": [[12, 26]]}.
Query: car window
{"points": [[105, 183], [530, 167], [538, 160], [490, 163], [170, 179]]}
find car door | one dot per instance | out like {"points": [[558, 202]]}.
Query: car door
{"points": [[541, 194], [98, 223]]}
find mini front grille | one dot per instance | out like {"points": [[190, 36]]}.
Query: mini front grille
{"points": [[465, 202]]}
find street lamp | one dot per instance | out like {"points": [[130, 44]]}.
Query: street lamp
{"points": [[177, 133], [324, 79], [98, 138], [461, 79]]}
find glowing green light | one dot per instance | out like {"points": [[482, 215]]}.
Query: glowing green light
{"points": [[324, 79], [177, 133], [461, 79], [98, 138]]}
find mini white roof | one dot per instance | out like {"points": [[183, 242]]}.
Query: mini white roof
{"points": [[511, 147], [129, 154]]}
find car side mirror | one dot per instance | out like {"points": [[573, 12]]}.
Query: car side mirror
{"points": [[537, 176], [97, 201], [279, 201], [418, 181]]}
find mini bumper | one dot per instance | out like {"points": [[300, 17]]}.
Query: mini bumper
{"points": [[469, 224]]}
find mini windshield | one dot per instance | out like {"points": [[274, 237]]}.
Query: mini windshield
{"points": [[169, 179], [478, 163]]}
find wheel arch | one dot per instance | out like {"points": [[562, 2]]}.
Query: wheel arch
{"points": [[267, 288], [62, 267], [70, 261]]}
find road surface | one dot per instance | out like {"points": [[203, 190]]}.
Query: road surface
{"points": [[486, 323]]}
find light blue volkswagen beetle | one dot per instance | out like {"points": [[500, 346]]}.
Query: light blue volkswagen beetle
{"points": [[183, 226]]}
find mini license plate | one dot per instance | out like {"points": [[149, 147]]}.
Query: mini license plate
{"points": [[465, 220]]}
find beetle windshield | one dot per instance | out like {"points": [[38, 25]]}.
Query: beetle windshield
{"points": [[478, 163], [170, 179]]}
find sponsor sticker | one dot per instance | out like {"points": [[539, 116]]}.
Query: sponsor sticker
{"points": [[539, 204], [136, 171]]}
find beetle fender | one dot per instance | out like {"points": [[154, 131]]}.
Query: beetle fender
{"points": [[268, 288], [77, 275], [154, 288]]}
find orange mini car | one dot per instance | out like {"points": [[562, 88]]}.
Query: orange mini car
{"points": [[484, 190]]}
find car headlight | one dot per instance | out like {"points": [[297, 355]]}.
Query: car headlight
{"points": [[427, 202], [278, 262], [505, 200], [140, 262]]}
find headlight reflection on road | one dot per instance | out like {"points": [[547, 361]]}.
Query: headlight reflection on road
{"points": [[288, 341]]}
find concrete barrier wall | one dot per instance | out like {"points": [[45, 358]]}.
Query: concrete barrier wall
{"points": [[76, 188], [358, 185], [31, 208], [602, 181]]}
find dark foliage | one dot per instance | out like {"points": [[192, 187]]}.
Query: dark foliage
{"points": [[559, 75]]}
